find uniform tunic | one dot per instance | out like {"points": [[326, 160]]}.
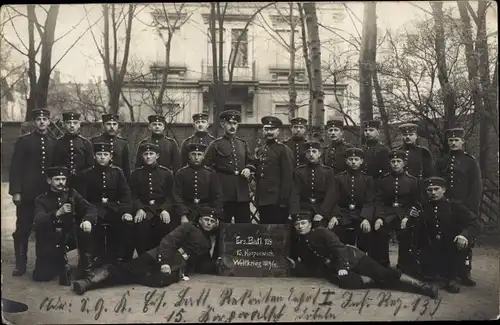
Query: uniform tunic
{"points": [[169, 152], [296, 145], [119, 149], [334, 155], [376, 160], [74, 152], [198, 137], [419, 160]]}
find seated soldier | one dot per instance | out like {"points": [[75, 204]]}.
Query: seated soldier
{"points": [[446, 234], [63, 221], [151, 187], [318, 252], [165, 264], [195, 186], [106, 187]]}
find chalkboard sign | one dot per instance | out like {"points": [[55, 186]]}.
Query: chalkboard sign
{"points": [[251, 250]]}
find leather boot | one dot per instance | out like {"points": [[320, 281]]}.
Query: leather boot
{"points": [[81, 286], [410, 284], [21, 250], [451, 286], [85, 265]]}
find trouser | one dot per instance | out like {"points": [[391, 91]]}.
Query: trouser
{"points": [[442, 258], [149, 233], [273, 214], [25, 213], [380, 243], [113, 239], [351, 233], [239, 210]]}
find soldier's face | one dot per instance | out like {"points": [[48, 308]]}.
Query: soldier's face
{"points": [[157, 127], [150, 157], [313, 155], [196, 157], [230, 127], [435, 193], [302, 226], [103, 158], [72, 126], [111, 127], [455, 143], [270, 132], [335, 133], [208, 223], [354, 162], [201, 125], [41, 123], [57, 183], [397, 164], [298, 130], [371, 133], [409, 138]]}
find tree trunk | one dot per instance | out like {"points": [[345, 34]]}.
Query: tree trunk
{"points": [[366, 62], [163, 87], [214, 89], [292, 91], [381, 107], [307, 61], [32, 99]]}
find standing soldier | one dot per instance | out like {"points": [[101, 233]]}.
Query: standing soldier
{"points": [[376, 162], [297, 141], [418, 160], [33, 153], [200, 123], [398, 204], [196, 186], [334, 153], [274, 175], [461, 171], [72, 150], [169, 150], [106, 187], [151, 187], [351, 213], [119, 145], [230, 157]]}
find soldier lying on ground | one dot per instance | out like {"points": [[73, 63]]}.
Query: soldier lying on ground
{"points": [[323, 255], [188, 246]]}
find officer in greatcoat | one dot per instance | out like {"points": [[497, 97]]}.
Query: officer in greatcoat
{"points": [[200, 135], [119, 145], [169, 155], [350, 203], [182, 249], [375, 163], [274, 175], [298, 126], [152, 187], [33, 153], [232, 160], [318, 252], [419, 160], [106, 187], [196, 186], [63, 221], [334, 153], [447, 231]]}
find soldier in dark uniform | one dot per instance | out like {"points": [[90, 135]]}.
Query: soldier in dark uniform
{"points": [[106, 187], [196, 186], [319, 253], [376, 162], [461, 171], [350, 202], [334, 153], [274, 175], [72, 150], [447, 230], [165, 264], [398, 205], [169, 155], [231, 159], [297, 141], [63, 220], [119, 145], [419, 160], [33, 153], [200, 135], [151, 186]]}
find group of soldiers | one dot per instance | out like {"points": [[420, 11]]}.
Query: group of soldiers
{"points": [[81, 193]]}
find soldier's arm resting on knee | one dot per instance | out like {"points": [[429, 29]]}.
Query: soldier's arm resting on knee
{"points": [[169, 182], [468, 221], [172, 242], [475, 187], [125, 194], [84, 208], [216, 195], [180, 206]]}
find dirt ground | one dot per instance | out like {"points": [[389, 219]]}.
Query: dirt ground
{"points": [[228, 299]]}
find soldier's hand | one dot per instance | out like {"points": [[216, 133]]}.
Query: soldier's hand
{"points": [[292, 262], [66, 208], [318, 217], [184, 219], [378, 223], [127, 217], [86, 226], [165, 216], [333, 222], [165, 268], [140, 215], [404, 222], [365, 226], [342, 272], [414, 213], [461, 241], [246, 173], [16, 198]]}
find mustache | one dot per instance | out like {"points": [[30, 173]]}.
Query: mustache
{"points": [[232, 129]]}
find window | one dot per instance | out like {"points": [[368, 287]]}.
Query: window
{"points": [[281, 110], [242, 50]]}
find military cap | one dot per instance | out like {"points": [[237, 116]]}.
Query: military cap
{"points": [[200, 116], [149, 147], [207, 212], [68, 116], [408, 128], [40, 112], [109, 117], [196, 147], [230, 115], [334, 123], [156, 118], [298, 121], [397, 154], [455, 133], [312, 145], [434, 181], [271, 121], [354, 152], [372, 124], [57, 171], [302, 215], [102, 147]]}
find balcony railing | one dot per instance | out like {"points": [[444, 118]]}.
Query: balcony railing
{"points": [[239, 73]]}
